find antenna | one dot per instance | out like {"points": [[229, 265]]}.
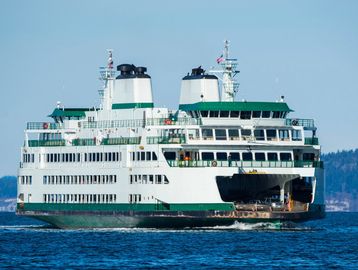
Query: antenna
{"points": [[228, 70]]}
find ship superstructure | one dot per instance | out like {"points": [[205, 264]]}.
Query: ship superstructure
{"points": [[213, 161]]}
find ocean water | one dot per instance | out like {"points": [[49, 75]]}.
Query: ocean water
{"points": [[331, 243]]}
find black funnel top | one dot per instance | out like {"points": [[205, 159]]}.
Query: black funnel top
{"points": [[199, 73], [130, 71]]}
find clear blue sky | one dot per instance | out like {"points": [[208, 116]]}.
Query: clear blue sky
{"points": [[306, 50]]}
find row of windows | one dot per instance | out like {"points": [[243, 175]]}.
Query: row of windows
{"points": [[79, 198], [245, 115], [143, 156], [246, 134], [135, 198], [247, 156], [26, 158], [78, 179], [148, 179], [25, 179], [86, 157], [237, 156]]}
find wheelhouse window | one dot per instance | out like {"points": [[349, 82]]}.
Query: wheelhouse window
{"points": [[207, 134], [221, 156], [245, 115], [285, 157], [259, 134], [276, 114], [266, 114], [207, 156], [246, 156], [271, 134], [272, 156], [204, 113], [234, 134], [234, 114], [260, 156], [224, 114], [214, 114], [256, 114], [220, 134]]}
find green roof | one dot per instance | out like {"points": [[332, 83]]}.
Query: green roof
{"points": [[71, 112], [236, 106]]}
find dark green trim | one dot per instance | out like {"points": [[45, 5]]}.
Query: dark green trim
{"points": [[124, 207], [71, 112], [132, 105], [236, 106]]}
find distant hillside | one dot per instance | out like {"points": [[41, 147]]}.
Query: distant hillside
{"points": [[7, 194], [341, 169], [7, 187]]}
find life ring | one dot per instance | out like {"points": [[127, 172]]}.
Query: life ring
{"points": [[214, 163], [294, 122], [45, 125], [167, 122]]}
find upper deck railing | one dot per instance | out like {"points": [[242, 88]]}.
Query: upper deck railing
{"points": [[131, 123], [245, 164], [306, 123]]}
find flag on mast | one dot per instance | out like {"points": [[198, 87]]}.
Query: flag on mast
{"points": [[220, 59]]}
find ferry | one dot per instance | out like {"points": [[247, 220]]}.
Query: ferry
{"points": [[212, 161]]}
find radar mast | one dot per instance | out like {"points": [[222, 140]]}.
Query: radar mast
{"points": [[229, 71]]}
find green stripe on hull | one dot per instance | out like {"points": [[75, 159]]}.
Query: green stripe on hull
{"points": [[125, 207], [132, 105]]}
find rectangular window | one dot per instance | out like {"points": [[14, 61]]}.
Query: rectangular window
{"points": [[204, 113], [266, 114], [207, 134], [296, 135], [234, 156], [193, 134], [285, 157], [256, 114], [207, 156], [245, 134], [245, 115], [259, 134], [224, 114], [276, 114], [170, 155], [271, 134], [234, 114], [214, 114], [142, 156], [138, 156], [154, 156], [220, 134], [151, 179], [234, 134], [260, 156], [284, 134], [221, 156], [272, 156], [148, 156], [246, 156]]}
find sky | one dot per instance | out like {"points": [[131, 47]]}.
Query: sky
{"points": [[305, 50]]}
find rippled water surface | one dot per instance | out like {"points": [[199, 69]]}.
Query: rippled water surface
{"points": [[328, 243]]}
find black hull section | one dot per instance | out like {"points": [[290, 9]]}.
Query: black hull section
{"points": [[168, 219]]}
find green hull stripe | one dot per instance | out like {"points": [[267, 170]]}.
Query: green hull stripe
{"points": [[132, 105], [124, 207]]}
